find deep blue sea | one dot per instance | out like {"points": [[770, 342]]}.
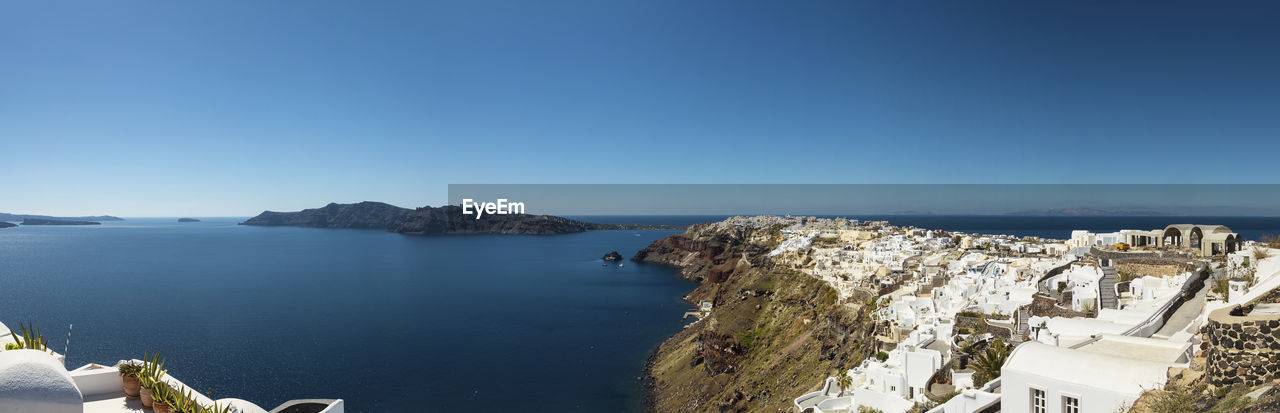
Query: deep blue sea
{"points": [[389, 322]]}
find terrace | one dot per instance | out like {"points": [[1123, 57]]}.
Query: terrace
{"points": [[35, 379]]}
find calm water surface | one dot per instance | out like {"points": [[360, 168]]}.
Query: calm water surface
{"points": [[391, 323]]}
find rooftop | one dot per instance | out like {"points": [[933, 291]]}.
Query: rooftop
{"points": [[1138, 348], [1097, 369]]}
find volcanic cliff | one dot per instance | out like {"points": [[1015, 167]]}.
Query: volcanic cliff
{"points": [[364, 215], [772, 333]]}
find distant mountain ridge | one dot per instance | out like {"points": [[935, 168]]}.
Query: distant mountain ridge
{"points": [[363, 215], [1091, 212], [429, 220], [39, 221], [20, 217]]}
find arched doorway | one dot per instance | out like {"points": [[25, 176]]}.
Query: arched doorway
{"points": [[1194, 238], [1172, 236]]}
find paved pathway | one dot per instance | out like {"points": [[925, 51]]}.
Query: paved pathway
{"points": [[1187, 313]]}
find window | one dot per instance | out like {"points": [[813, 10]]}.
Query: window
{"points": [[1070, 404], [1037, 401]]}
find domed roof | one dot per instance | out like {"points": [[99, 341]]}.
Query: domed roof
{"points": [[240, 406], [34, 381]]}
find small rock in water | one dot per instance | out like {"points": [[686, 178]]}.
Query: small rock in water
{"points": [[612, 256]]}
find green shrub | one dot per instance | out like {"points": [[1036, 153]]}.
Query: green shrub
{"points": [[746, 339], [1170, 401], [1231, 399], [1220, 286], [129, 369]]}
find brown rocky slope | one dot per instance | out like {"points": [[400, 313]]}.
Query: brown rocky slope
{"points": [[773, 334]]}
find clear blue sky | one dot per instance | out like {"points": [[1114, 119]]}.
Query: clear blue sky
{"points": [[214, 108]]}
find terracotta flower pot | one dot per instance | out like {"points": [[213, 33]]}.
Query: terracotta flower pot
{"points": [[145, 394], [131, 387], [160, 407]]}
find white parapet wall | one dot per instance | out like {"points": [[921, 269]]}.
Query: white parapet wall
{"points": [[95, 380], [336, 407]]}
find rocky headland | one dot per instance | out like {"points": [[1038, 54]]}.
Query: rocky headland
{"points": [[447, 219], [20, 217], [771, 334], [7, 224], [38, 221], [364, 215]]}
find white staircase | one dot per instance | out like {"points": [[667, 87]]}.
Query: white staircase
{"points": [[1107, 288]]}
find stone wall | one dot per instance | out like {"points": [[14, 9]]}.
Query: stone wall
{"points": [[1045, 306], [1243, 349], [1000, 332], [1117, 255], [1154, 266]]}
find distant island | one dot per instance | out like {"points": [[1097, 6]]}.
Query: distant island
{"points": [[429, 220], [38, 221], [1090, 212], [6, 225], [188, 220], [20, 217]]}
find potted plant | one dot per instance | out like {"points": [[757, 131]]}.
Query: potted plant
{"points": [[218, 409], [30, 339], [184, 403], [162, 397], [129, 372], [152, 375]]}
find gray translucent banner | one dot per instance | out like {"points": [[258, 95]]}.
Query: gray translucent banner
{"points": [[894, 199]]}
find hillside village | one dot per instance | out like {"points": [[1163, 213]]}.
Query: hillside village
{"points": [[984, 323]]}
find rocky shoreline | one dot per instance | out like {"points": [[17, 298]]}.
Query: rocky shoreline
{"points": [[772, 331]]}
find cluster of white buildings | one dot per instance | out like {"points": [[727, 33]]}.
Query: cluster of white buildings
{"points": [[849, 254], [922, 312], [1064, 364], [977, 283]]}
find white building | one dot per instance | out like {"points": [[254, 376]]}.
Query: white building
{"points": [[968, 401], [1100, 376], [1082, 281]]}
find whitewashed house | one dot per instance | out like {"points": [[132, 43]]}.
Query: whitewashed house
{"points": [[1099, 376], [1083, 283]]}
